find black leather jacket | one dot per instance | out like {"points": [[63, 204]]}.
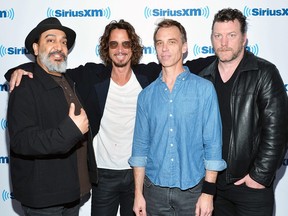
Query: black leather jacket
{"points": [[259, 111]]}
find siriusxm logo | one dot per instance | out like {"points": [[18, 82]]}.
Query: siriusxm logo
{"points": [[265, 12], [4, 124], [97, 50], [197, 50], [146, 50], [253, 48], [4, 87], [12, 51], [181, 12], [6, 195], [4, 160], [79, 13], [7, 14]]}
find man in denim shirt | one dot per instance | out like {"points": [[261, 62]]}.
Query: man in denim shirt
{"points": [[177, 138]]}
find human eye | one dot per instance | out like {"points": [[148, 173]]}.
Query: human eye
{"points": [[171, 42], [64, 42], [113, 44], [159, 43], [217, 36], [49, 40], [126, 44], [232, 35]]}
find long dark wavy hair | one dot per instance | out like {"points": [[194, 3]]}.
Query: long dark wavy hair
{"points": [[136, 45]]}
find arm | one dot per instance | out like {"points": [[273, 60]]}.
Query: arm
{"points": [[212, 138], [138, 160], [272, 105], [139, 202], [197, 65], [84, 76], [204, 205], [14, 75], [150, 71]]}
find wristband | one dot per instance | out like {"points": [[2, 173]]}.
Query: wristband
{"points": [[209, 188]]}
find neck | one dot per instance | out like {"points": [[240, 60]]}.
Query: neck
{"points": [[227, 69], [121, 75], [170, 75]]}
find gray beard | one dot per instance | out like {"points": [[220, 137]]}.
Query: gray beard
{"points": [[53, 67]]}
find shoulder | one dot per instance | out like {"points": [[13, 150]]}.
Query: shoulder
{"points": [[263, 63], [89, 71], [199, 80], [148, 91], [150, 70], [197, 65]]}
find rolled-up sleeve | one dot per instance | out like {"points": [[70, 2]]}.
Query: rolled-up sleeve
{"points": [[140, 144]]}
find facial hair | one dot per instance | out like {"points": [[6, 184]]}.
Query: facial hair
{"points": [[235, 54], [120, 63], [59, 67]]}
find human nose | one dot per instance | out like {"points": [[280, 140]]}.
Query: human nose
{"points": [[58, 46], [224, 41], [164, 46], [120, 47]]}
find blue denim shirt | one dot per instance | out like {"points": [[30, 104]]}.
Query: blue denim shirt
{"points": [[178, 134]]}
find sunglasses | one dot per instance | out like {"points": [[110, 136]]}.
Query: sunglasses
{"points": [[125, 44]]}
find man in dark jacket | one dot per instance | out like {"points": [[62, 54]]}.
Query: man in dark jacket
{"points": [[253, 106], [109, 92], [47, 127]]}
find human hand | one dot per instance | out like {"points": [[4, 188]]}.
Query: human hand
{"points": [[80, 120], [139, 206], [204, 205], [249, 182], [16, 77]]}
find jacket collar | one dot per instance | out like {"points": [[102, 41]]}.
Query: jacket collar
{"points": [[248, 63], [44, 77]]}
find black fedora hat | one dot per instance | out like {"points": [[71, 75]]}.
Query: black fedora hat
{"points": [[47, 24]]}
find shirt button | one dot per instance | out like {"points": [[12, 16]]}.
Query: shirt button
{"points": [[171, 129], [171, 145], [170, 115], [171, 101], [172, 159]]}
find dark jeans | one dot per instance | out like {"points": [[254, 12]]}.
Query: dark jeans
{"points": [[164, 201], [115, 187], [241, 200], [71, 209]]}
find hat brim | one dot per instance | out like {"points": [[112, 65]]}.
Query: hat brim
{"points": [[34, 35]]}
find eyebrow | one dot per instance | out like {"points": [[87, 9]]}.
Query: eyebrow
{"points": [[53, 35]]}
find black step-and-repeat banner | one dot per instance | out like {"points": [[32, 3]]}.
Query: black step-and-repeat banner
{"points": [[267, 34]]}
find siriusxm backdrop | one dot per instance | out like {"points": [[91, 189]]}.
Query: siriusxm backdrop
{"points": [[267, 34]]}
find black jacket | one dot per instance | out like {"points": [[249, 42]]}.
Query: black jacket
{"points": [[43, 142], [259, 132]]}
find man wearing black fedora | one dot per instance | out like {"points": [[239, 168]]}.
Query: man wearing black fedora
{"points": [[48, 129]]}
